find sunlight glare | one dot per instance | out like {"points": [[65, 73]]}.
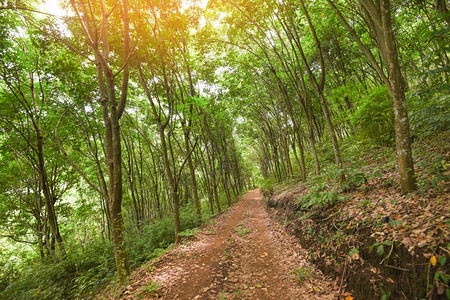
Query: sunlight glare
{"points": [[53, 7], [188, 3]]}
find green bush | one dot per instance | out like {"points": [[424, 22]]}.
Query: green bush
{"points": [[85, 269], [141, 245], [319, 196], [353, 178], [429, 115], [269, 183], [73, 277], [373, 118]]}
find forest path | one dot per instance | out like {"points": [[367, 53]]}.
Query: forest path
{"points": [[240, 254]]}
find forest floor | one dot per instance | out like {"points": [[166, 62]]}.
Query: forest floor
{"points": [[364, 233], [240, 254]]}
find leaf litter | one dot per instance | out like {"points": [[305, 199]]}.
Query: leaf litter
{"points": [[256, 261]]}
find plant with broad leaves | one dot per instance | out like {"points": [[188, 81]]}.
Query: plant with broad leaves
{"points": [[380, 246]]}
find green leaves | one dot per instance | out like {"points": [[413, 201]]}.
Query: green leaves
{"points": [[199, 101], [373, 117], [442, 260], [380, 246], [353, 251], [319, 198]]}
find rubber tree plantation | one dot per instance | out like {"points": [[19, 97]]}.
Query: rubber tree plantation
{"points": [[204, 149]]}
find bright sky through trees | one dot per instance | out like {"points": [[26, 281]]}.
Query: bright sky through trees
{"points": [[53, 6], [124, 124]]}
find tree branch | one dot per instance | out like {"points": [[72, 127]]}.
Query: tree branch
{"points": [[17, 240], [74, 165]]}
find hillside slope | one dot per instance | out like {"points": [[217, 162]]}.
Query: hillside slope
{"points": [[371, 239]]}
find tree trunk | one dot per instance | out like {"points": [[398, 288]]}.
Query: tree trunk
{"points": [[378, 19], [319, 87], [193, 178], [49, 198], [112, 111], [397, 91], [172, 183]]}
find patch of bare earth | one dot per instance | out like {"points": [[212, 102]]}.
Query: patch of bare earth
{"points": [[241, 254]]}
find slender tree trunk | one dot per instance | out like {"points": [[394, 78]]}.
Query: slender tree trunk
{"points": [[49, 199], [213, 182], [311, 137], [39, 226], [332, 130], [113, 155], [97, 37], [302, 153], [378, 19], [193, 178], [397, 90], [172, 183]]}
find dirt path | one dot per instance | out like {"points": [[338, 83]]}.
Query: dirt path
{"points": [[241, 254]]}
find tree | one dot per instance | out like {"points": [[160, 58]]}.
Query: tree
{"points": [[27, 112], [377, 16], [100, 41]]}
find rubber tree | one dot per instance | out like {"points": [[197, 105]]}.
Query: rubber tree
{"points": [[96, 19], [167, 82], [276, 36], [26, 112], [188, 115], [290, 28], [378, 18]]}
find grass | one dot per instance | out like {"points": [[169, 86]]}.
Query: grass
{"points": [[86, 269], [302, 272], [151, 287], [242, 231]]}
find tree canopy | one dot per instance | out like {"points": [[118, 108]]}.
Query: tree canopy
{"points": [[128, 119]]}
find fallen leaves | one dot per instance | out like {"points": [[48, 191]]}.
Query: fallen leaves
{"points": [[433, 260], [347, 296], [417, 222]]}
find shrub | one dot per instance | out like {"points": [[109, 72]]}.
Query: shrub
{"points": [[374, 117], [429, 115], [353, 178], [84, 269], [73, 277], [319, 197]]}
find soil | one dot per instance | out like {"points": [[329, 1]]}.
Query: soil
{"points": [[240, 254], [373, 240]]}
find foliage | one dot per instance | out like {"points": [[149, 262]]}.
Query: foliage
{"points": [[189, 232], [385, 294], [151, 287], [241, 230], [373, 117], [380, 246], [77, 275], [434, 167], [429, 115], [85, 269], [353, 178], [319, 196], [302, 273], [148, 243], [234, 88], [269, 183]]}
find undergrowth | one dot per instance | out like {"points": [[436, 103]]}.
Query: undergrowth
{"points": [[86, 269], [365, 219]]}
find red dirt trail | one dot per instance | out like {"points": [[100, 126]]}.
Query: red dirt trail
{"points": [[241, 254]]}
